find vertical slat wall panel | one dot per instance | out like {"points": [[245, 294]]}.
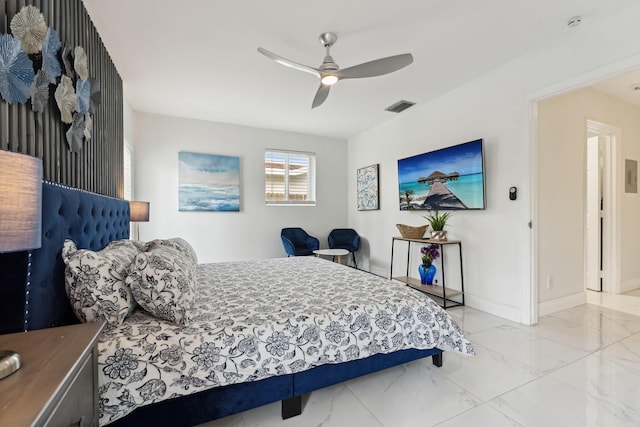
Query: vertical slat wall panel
{"points": [[4, 108], [99, 166]]}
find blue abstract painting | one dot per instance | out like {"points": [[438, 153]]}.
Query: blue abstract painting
{"points": [[208, 182]]}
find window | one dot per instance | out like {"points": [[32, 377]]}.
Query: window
{"points": [[290, 178], [128, 171], [128, 179]]}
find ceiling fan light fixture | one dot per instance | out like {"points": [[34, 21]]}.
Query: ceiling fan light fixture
{"points": [[329, 79], [330, 73]]}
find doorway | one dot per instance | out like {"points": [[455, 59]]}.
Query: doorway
{"points": [[594, 212], [599, 247]]}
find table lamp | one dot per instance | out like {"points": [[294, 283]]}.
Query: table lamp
{"points": [[20, 219], [139, 213]]}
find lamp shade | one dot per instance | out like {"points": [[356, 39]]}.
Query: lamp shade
{"points": [[139, 211], [20, 202]]}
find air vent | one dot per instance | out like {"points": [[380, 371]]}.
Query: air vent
{"points": [[400, 106], [574, 21]]}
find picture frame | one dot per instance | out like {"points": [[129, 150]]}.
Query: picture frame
{"points": [[368, 192], [208, 182], [451, 178]]}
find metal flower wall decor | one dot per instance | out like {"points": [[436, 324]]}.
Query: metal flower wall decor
{"points": [[40, 92], [66, 99], [30, 62], [50, 64], [16, 70], [29, 27]]}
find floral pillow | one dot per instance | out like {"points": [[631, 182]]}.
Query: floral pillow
{"points": [[95, 281], [139, 244], [177, 243], [163, 282]]}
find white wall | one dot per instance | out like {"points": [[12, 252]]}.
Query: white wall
{"points": [[495, 239], [496, 107], [561, 179], [254, 232]]}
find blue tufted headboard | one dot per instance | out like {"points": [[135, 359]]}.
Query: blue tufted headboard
{"points": [[32, 290]]}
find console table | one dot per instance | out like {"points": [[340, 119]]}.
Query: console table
{"points": [[442, 292]]}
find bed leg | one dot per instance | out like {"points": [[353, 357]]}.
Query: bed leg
{"points": [[291, 407], [437, 360]]}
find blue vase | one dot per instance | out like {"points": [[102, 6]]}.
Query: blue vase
{"points": [[427, 274]]}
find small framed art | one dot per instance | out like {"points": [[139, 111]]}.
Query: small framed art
{"points": [[368, 191]]}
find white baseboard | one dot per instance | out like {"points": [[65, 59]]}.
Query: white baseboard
{"points": [[563, 303], [379, 271], [630, 285], [488, 306], [501, 310]]}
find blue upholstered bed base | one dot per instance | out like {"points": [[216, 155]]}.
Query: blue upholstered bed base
{"points": [[220, 402], [33, 296]]}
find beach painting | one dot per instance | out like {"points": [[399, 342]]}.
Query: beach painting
{"points": [[447, 179], [367, 188], [208, 182]]}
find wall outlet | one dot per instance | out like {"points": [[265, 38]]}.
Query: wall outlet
{"points": [[549, 282]]}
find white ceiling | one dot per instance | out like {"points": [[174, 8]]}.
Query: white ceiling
{"points": [[198, 58]]}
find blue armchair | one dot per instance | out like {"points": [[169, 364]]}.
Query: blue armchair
{"points": [[345, 238], [297, 242]]}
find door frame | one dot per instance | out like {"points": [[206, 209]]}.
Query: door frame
{"points": [[593, 210], [529, 311], [530, 296], [611, 186]]}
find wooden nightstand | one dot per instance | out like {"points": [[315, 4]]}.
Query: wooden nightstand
{"points": [[57, 384]]}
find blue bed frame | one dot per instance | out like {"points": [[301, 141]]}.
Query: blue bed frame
{"points": [[33, 296]]}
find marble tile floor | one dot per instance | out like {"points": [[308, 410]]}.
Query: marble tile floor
{"points": [[577, 367]]}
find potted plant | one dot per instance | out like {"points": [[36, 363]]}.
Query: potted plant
{"points": [[438, 221]]}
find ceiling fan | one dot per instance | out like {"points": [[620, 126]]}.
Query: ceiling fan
{"points": [[329, 72]]}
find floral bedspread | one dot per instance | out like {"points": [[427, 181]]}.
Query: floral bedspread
{"points": [[258, 319]]}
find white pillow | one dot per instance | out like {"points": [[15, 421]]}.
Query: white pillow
{"points": [[95, 281], [163, 282]]}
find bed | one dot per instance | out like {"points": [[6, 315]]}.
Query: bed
{"points": [[211, 367]]}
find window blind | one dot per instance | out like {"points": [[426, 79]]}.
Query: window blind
{"points": [[289, 177]]}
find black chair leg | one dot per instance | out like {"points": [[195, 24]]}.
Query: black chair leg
{"points": [[355, 263]]}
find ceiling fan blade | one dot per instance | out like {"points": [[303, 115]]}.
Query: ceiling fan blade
{"points": [[321, 95], [287, 63], [378, 67]]}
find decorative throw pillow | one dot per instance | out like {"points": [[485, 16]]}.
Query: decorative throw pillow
{"points": [[163, 282], [177, 243], [139, 244], [95, 281]]}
